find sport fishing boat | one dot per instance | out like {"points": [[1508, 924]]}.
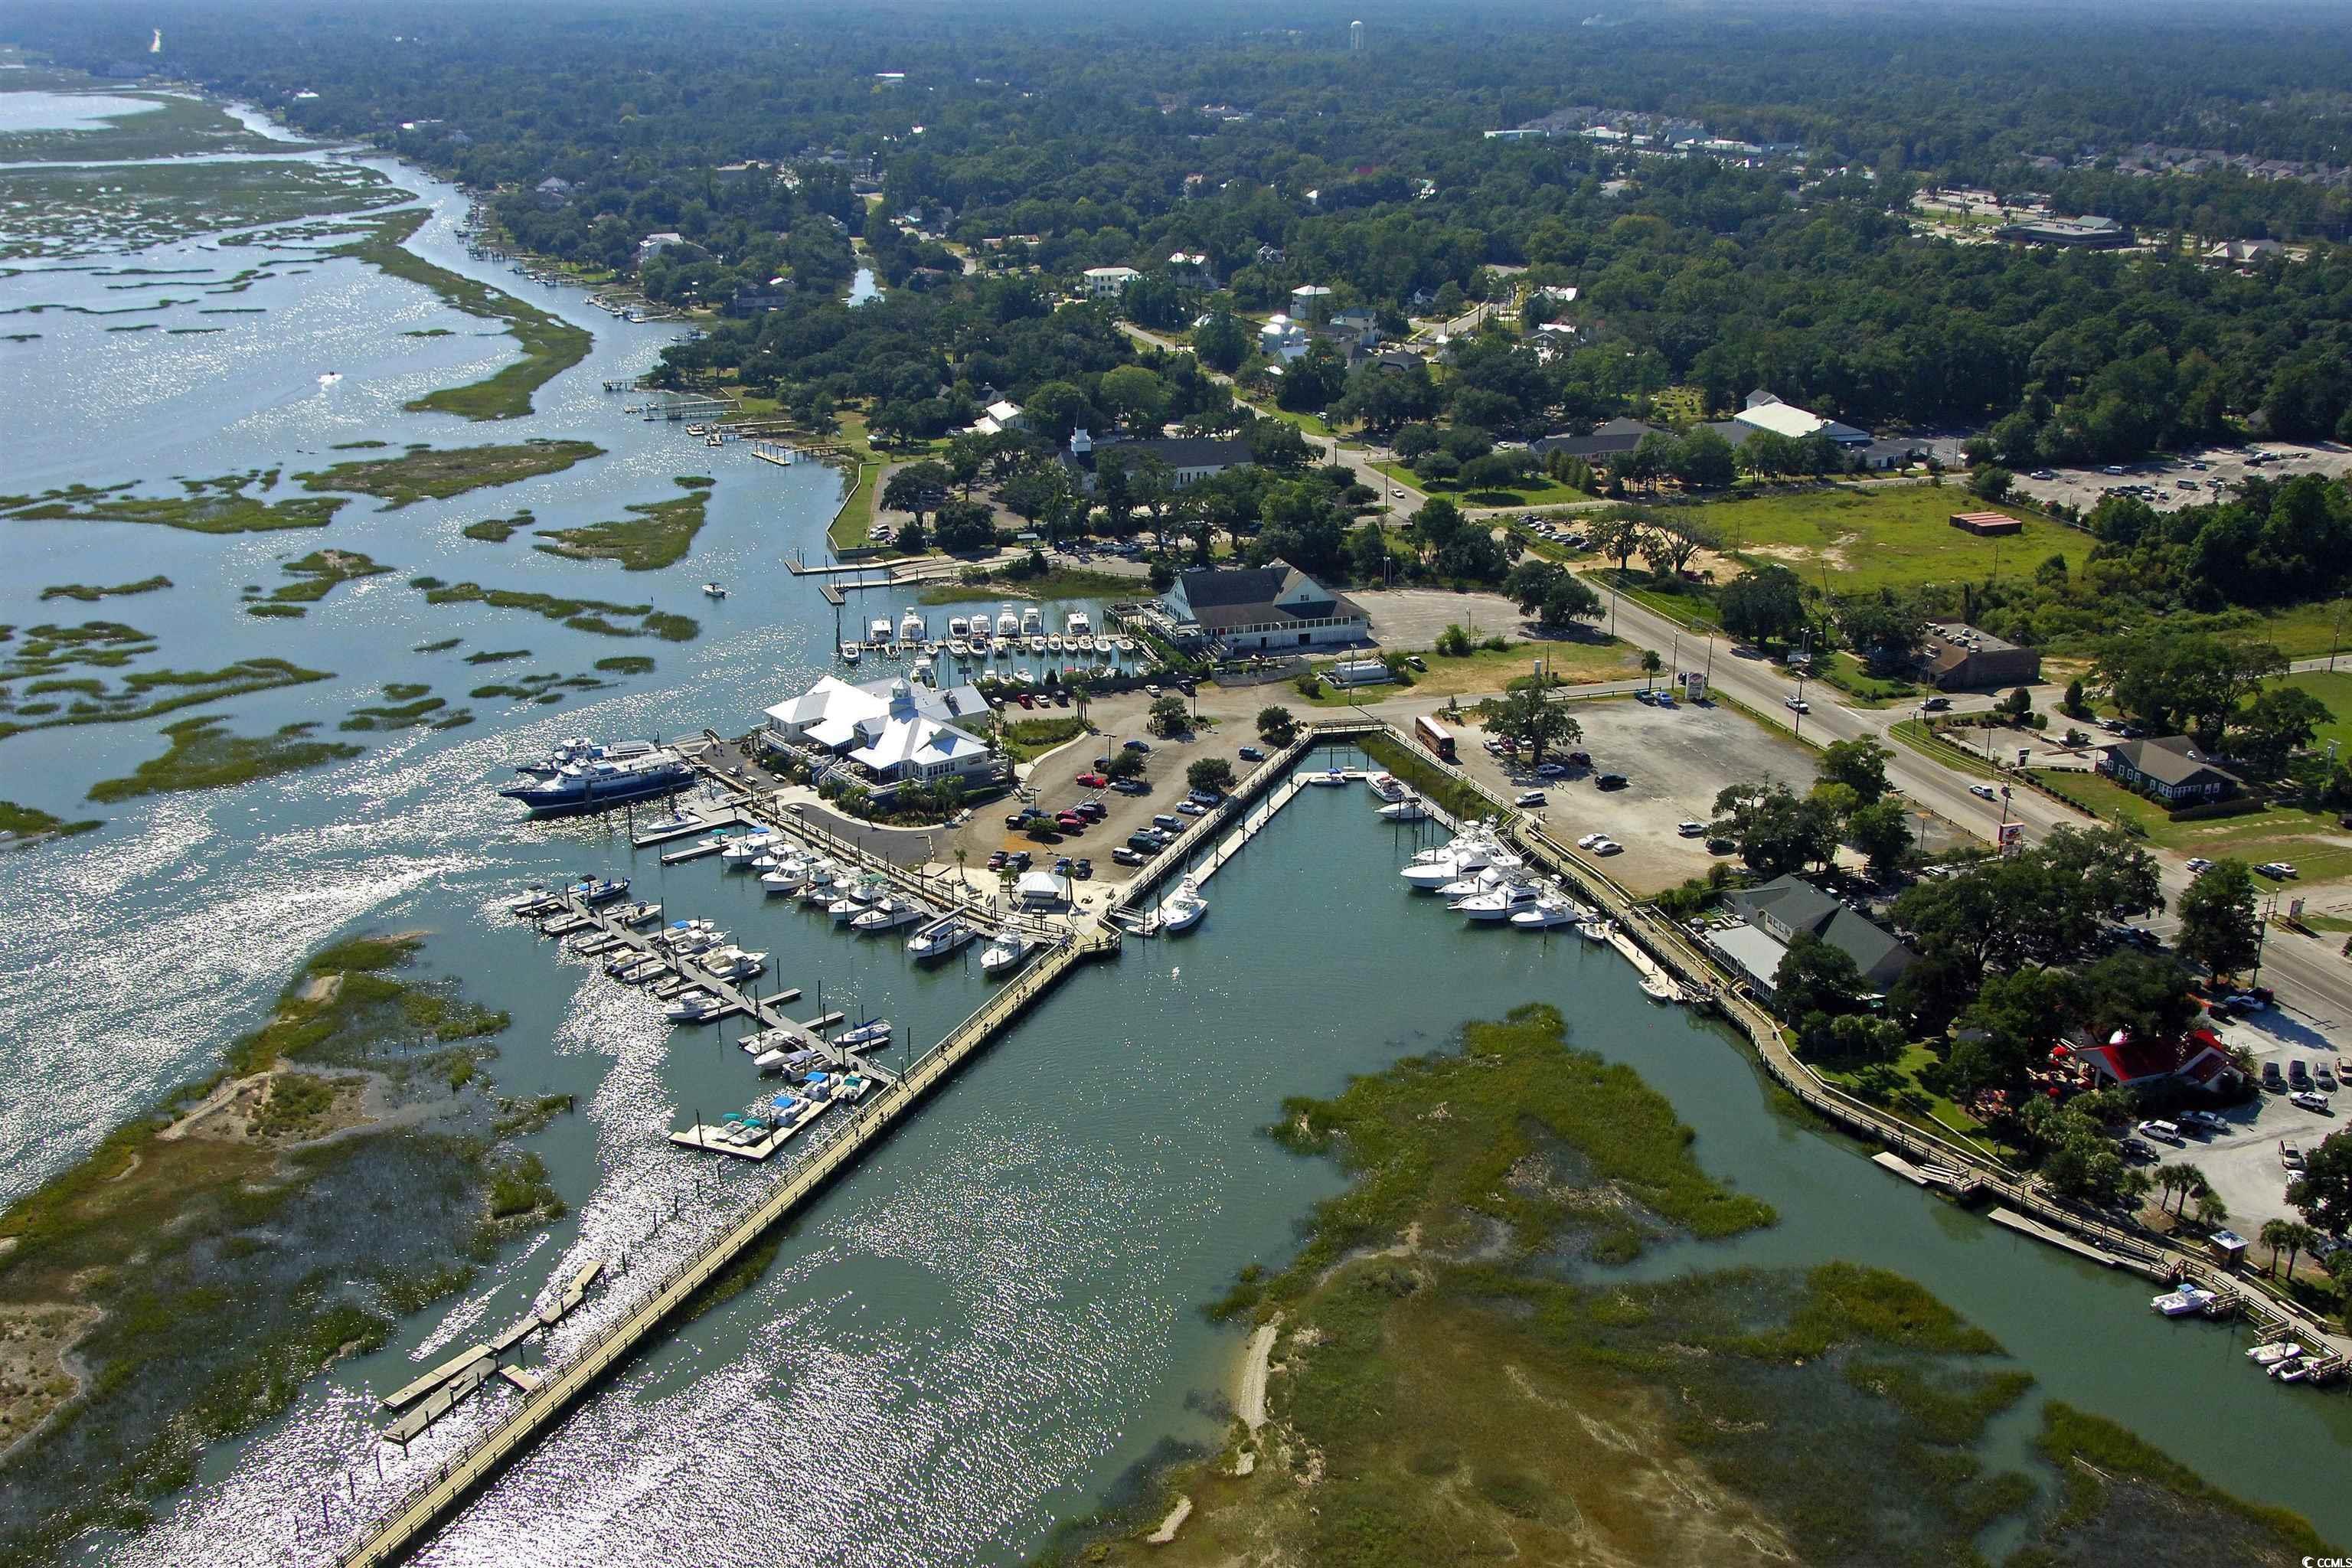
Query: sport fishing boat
{"points": [[940, 940], [1182, 910], [715, 590], [2183, 1302], [889, 913], [1387, 786], [1499, 902], [1077, 625], [1006, 955], [1550, 910], [871, 1035], [594, 786], [1433, 868], [1008, 623], [1032, 621], [910, 626], [693, 1007], [849, 651], [1410, 809]]}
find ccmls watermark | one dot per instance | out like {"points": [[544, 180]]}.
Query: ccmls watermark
{"points": [[2327, 1562]]}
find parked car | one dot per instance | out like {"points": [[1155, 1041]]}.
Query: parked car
{"points": [[1608, 847], [2278, 870], [2045, 474], [1138, 745], [1689, 829], [2274, 1079], [2298, 1073], [1131, 786], [2310, 1100], [1613, 781], [1552, 771], [1093, 781], [2324, 1078], [2138, 1151], [1084, 870], [1151, 690], [2290, 1156], [1061, 698], [1529, 797], [1092, 810], [1589, 839], [2203, 1121], [1191, 808], [1027, 700], [1126, 856], [1252, 754], [2162, 1132]]}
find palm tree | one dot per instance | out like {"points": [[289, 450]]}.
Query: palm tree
{"points": [[2171, 1180], [2277, 1233], [1650, 664], [2194, 1185], [961, 856], [2211, 1210]]}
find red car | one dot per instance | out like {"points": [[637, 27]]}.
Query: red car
{"points": [[1025, 702], [1070, 821], [1094, 780]]}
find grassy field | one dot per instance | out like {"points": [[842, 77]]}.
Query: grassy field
{"points": [[211, 506], [1963, 758], [1895, 1085], [2312, 840], [2334, 689], [1534, 490], [1071, 583], [1849, 675], [2308, 631], [1895, 536], [550, 345]]}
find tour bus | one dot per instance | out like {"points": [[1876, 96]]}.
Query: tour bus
{"points": [[1433, 735]]}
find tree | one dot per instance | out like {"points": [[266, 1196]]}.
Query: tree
{"points": [[2278, 722], [1223, 341], [919, 487], [1815, 976], [1668, 544], [1276, 726], [1859, 764], [963, 526], [1136, 397], [2325, 1189], [1530, 718], [1124, 764], [1702, 461], [1650, 664], [1991, 482], [1882, 833], [2219, 926], [1167, 716], [2189, 681], [1210, 773], [2282, 1235], [1617, 536], [1886, 631], [1569, 600], [1776, 831], [2010, 1028], [1765, 605]]}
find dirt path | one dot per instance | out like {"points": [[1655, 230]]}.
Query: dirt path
{"points": [[1250, 1396]]}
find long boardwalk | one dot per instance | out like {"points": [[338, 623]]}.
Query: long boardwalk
{"points": [[545, 1403]]}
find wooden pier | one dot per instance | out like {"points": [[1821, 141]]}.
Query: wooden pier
{"points": [[544, 1403]]}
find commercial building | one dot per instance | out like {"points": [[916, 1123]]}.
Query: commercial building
{"points": [[2085, 233], [1781, 911], [2196, 1058], [1186, 459], [1612, 439], [888, 732], [2170, 769], [1956, 657], [1263, 608], [1763, 410]]}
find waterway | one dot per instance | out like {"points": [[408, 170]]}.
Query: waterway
{"points": [[993, 1319]]}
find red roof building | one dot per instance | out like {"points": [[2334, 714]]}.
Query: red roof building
{"points": [[2196, 1058]]}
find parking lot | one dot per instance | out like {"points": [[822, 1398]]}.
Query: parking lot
{"points": [[2244, 1164], [1676, 761], [2224, 467], [1053, 781]]}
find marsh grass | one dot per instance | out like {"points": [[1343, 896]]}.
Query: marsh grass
{"points": [[205, 756]]}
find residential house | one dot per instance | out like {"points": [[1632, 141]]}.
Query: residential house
{"points": [[889, 732], [1262, 609], [1001, 415], [2171, 769], [1271, 256], [751, 300], [1283, 340], [1781, 911], [653, 245], [1108, 283], [554, 190], [1191, 268]]}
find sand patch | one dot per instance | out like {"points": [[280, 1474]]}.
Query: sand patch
{"points": [[39, 1375], [1249, 1399], [1172, 1523]]}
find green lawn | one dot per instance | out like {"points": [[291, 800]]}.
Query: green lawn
{"points": [[1486, 672], [1533, 490], [1910, 733], [2335, 690], [1849, 675], [1899, 536], [2310, 631], [2318, 848], [1693, 610], [1895, 1085]]}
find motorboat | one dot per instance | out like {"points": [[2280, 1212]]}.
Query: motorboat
{"points": [[1126, 645], [939, 941], [849, 652], [637, 972], [1328, 777], [1550, 911], [1005, 645], [2183, 1302], [693, 1007], [1433, 868], [1035, 641], [849, 903], [595, 890], [911, 628], [957, 625], [1076, 623], [1084, 643], [741, 852], [2274, 1353], [1411, 809], [1006, 955], [596, 785], [1658, 988], [872, 1036], [1182, 910], [715, 590], [1008, 622], [1388, 786], [877, 630], [731, 964], [1053, 643], [1593, 928], [1500, 902], [889, 913], [1033, 622], [635, 914], [959, 649], [1485, 879]]}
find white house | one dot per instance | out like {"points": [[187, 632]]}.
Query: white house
{"points": [[1263, 608], [1766, 412], [893, 733], [1187, 459], [1108, 283], [1283, 339], [654, 243], [1001, 415]]}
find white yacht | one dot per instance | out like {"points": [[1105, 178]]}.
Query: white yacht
{"points": [[1006, 955], [877, 630], [731, 964], [1502, 901], [959, 649], [693, 1007], [1409, 808], [1593, 928], [887, 913], [1033, 621], [910, 625], [1332, 777], [1553, 908], [743, 850], [1126, 645], [1485, 879], [1008, 622], [715, 590], [1388, 786], [1182, 910], [940, 940], [2183, 1302], [1432, 869], [851, 899], [957, 625], [789, 876], [1077, 625]]}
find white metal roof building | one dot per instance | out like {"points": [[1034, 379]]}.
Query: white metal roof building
{"points": [[894, 730]]}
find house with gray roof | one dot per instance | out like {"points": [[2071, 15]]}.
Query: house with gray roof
{"points": [[1781, 909], [2171, 769]]}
